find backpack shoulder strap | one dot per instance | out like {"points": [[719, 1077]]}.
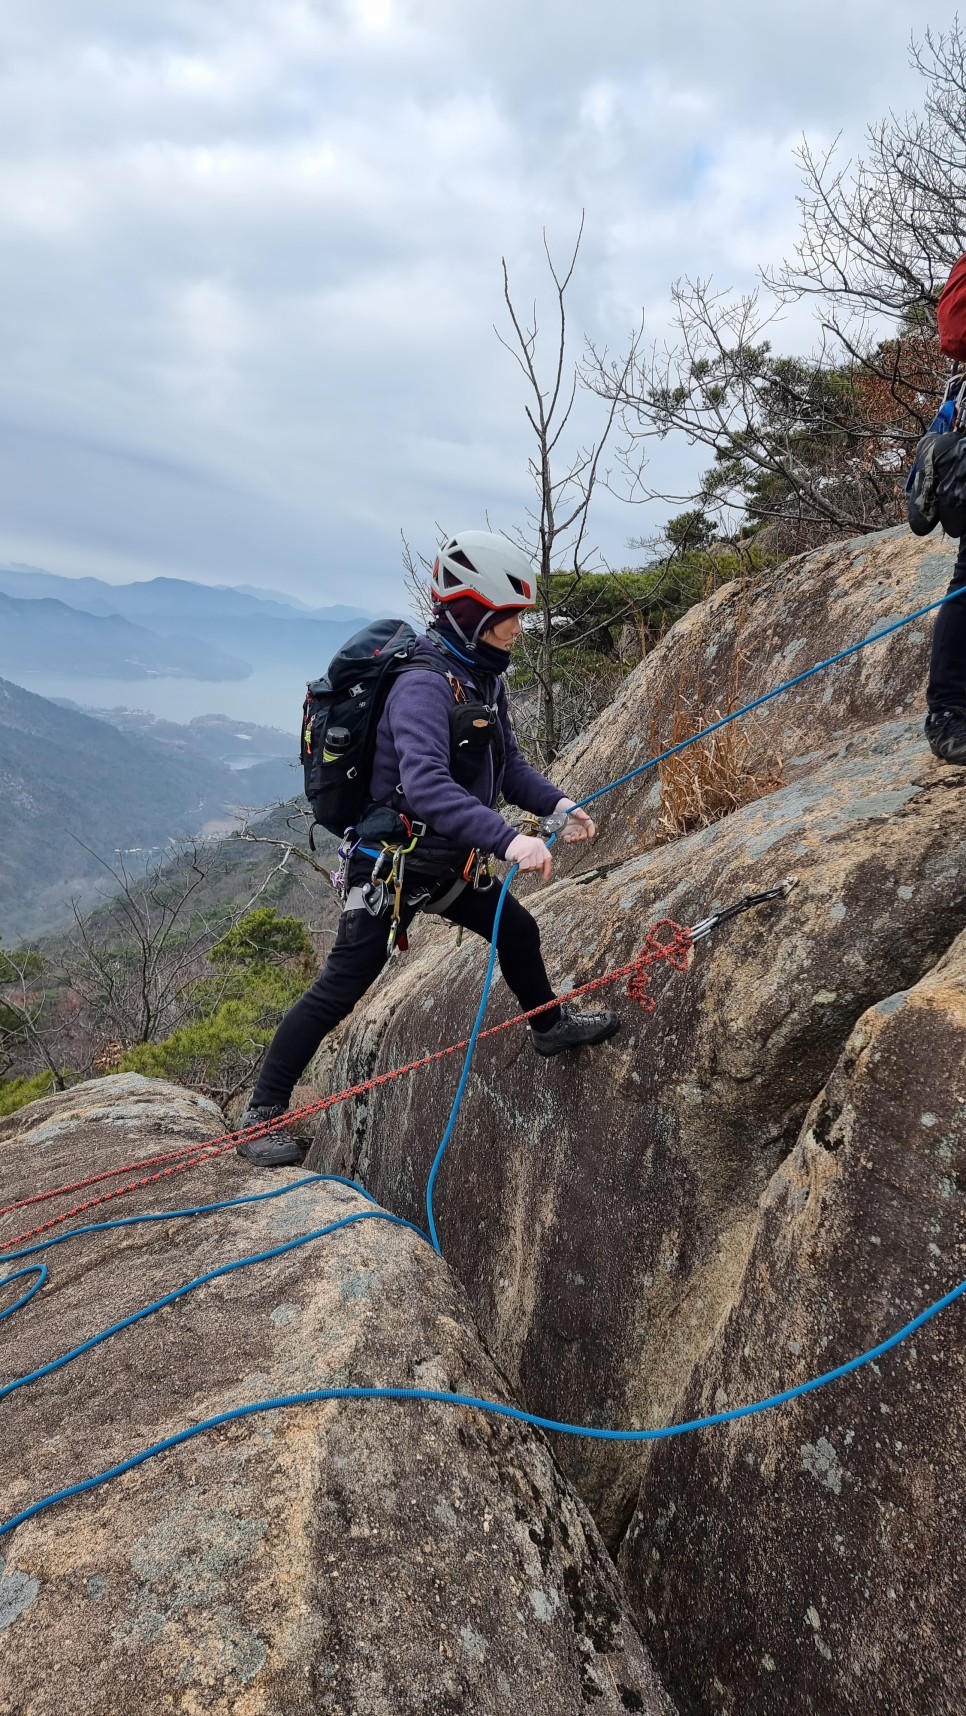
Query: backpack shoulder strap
{"points": [[424, 664]]}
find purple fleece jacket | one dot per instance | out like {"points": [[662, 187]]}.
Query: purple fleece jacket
{"points": [[412, 748]]}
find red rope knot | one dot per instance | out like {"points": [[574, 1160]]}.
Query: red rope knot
{"points": [[675, 950]]}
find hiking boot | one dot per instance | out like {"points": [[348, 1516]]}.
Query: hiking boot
{"points": [[574, 1029], [946, 733], [277, 1149]]}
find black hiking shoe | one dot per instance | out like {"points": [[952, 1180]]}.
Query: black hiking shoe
{"points": [[946, 733], [276, 1149], [573, 1029]]}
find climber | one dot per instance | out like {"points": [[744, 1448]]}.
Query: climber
{"points": [[946, 690], [480, 586], [945, 726]]}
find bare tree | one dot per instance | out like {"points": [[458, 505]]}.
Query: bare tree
{"points": [[417, 571], [565, 474], [880, 235], [816, 447], [131, 964], [812, 447], [26, 1035]]}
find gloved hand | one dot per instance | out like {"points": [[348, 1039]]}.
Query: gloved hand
{"points": [[579, 827], [531, 854]]}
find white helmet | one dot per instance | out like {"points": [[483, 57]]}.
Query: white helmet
{"points": [[494, 571]]}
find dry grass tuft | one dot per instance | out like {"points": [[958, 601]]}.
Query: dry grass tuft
{"points": [[712, 778]]}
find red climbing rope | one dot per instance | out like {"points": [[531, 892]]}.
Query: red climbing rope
{"points": [[674, 951]]}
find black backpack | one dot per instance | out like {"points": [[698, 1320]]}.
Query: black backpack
{"points": [[936, 485], [341, 713], [339, 719]]}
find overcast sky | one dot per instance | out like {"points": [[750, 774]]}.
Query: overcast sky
{"points": [[251, 251]]}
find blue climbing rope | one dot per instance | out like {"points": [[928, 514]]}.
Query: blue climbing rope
{"points": [[769, 696], [591, 798], [38, 1269], [176, 1215], [467, 1064], [493, 1408], [191, 1286]]}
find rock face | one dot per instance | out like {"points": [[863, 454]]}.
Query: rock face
{"points": [[743, 641], [356, 1559], [600, 1207], [810, 1559]]}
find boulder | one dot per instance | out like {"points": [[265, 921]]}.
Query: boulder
{"points": [[599, 1207], [359, 1559], [810, 1559]]}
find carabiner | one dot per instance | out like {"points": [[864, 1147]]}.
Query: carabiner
{"points": [[483, 877], [380, 872], [397, 875]]}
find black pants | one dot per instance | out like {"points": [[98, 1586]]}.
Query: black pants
{"points": [[357, 957], [947, 665]]}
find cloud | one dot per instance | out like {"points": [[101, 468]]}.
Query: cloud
{"points": [[252, 254]]}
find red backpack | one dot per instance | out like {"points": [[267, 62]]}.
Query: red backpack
{"points": [[951, 313]]}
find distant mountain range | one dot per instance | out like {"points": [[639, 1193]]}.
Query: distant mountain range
{"points": [[163, 628], [122, 780], [216, 738], [69, 783], [42, 635], [176, 599]]}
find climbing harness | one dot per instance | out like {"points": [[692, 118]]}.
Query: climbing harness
{"points": [[395, 838], [677, 948]]}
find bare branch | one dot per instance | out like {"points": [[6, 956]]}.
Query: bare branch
{"points": [[557, 530]]}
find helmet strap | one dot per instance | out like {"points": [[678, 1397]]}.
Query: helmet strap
{"points": [[479, 654]]}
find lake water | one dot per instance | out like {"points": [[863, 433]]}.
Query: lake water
{"points": [[271, 696]]}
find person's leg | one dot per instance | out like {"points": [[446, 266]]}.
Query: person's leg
{"points": [[946, 690], [521, 962], [355, 961], [518, 945]]}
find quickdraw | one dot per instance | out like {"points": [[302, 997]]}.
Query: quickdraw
{"points": [[780, 892], [393, 881]]}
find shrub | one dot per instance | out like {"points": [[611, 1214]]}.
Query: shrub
{"points": [[260, 967], [17, 1092]]}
